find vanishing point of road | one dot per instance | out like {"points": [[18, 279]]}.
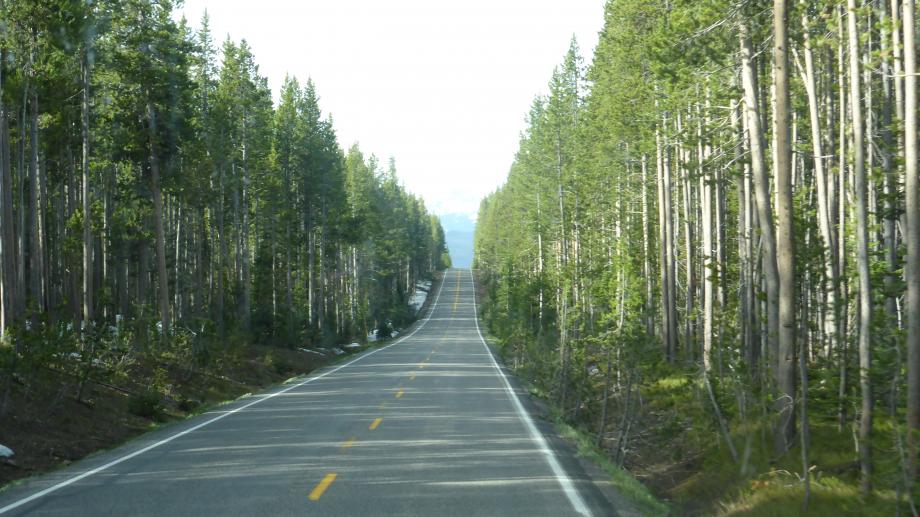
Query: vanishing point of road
{"points": [[428, 425]]}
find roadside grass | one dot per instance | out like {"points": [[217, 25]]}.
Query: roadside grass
{"points": [[681, 426], [625, 484], [686, 468], [783, 494], [677, 449], [634, 491]]}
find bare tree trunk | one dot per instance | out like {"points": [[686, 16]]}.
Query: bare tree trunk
{"points": [[666, 229], [785, 358], [246, 307], [890, 150], [706, 257], [646, 238], [831, 271], [602, 427], [12, 298], [912, 237], [221, 253], [87, 216], [689, 331], [841, 222], [862, 255], [160, 236], [564, 296], [36, 251], [761, 185]]}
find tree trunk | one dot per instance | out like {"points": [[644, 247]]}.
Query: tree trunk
{"points": [[160, 237], [825, 210], [843, 352], [246, 308], [785, 258], [862, 254], [12, 298], [706, 257], [87, 216], [912, 236], [761, 184]]}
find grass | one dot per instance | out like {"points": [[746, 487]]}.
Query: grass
{"points": [[626, 485], [784, 494], [771, 486]]}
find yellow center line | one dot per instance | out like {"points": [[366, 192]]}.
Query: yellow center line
{"points": [[399, 393], [351, 441], [322, 486], [375, 423]]}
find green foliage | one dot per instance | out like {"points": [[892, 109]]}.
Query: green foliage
{"points": [[147, 404], [626, 485], [574, 248], [272, 233]]}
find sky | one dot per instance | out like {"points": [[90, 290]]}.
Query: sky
{"points": [[443, 87]]}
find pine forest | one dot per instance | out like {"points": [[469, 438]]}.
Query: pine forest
{"points": [[160, 213], [707, 252]]}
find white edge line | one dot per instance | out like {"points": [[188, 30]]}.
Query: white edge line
{"points": [[62, 484], [567, 486]]}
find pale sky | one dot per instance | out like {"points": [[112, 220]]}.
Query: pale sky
{"points": [[443, 87]]}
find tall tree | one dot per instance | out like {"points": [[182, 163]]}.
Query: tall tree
{"points": [[785, 243]]}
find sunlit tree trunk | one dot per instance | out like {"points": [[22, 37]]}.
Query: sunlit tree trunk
{"points": [[84, 165], [785, 241], [761, 184], [912, 235], [862, 253]]}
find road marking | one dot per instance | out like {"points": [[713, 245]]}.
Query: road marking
{"points": [[422, 365], [399, 393], [375, 423], [566, 482], [347, 445], [88, 473], [412, 377], [382, 405], [322, 486]]}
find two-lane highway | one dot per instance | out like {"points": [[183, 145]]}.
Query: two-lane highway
{"points": [[428, 425]]}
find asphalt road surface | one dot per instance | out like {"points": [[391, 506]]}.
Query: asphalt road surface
{"points": [[429, 425]]}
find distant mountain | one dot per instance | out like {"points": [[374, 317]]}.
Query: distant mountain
{"points": [[458, 231]]}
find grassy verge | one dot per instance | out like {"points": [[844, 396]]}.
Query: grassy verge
{"points": [[631, 489], [626, 485]]}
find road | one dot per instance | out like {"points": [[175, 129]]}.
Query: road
{"points": [[429, 425]]}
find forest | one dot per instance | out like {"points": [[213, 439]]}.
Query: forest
{"points": [[706, 253], [155, 201]]}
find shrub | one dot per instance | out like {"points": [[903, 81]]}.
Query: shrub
{"points": [[146, 405], [188, 405]]}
